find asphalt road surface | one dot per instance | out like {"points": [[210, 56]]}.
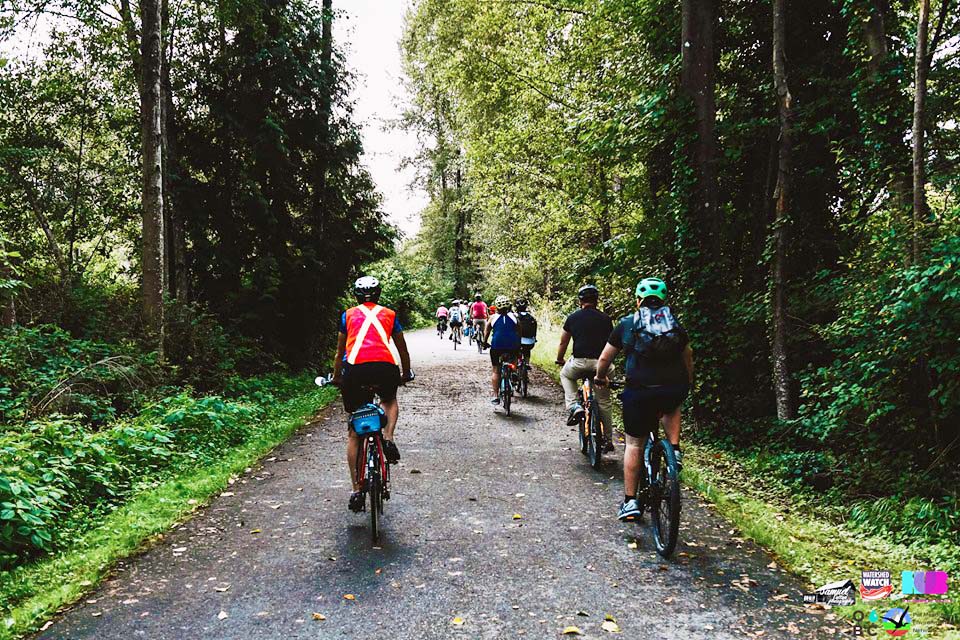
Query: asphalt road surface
{"points": [[497, 528]]}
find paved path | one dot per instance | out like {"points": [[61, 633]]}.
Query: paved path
{"points": [[280, 545]]}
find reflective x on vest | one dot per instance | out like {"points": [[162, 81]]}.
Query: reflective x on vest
{"points": [[362, 345]]}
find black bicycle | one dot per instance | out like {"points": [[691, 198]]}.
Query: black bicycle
{"points": [[508, 370], [663, 492], [373, 472], [441, 327], [590, 429], [456, 334], [521, 377]]}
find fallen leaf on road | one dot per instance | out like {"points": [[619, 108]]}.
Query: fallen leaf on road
{"points": [[179, 549], [415, 471], [708, 627], [255, 531], [609, 618], [520, 495], [261, 614], [668, 600], [632, 545], [457, 621], [781, 597], [97, 614], [583, 613], [130, 601], [379, 571], [46, 625], [349, 596], [319, 616], [517, 516], [610, 626], [222, 589], [222, 615], [571, 631], [772, 565], [793, 628], [226, 494]]}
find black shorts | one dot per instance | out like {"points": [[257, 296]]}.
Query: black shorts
{"points": [[643, 406], [456, 323], [361, 381], [509, 354]]}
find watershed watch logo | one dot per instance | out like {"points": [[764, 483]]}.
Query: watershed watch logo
{"points": [[875, 585]]}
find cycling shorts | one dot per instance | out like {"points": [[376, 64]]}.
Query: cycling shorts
{"points": [[508, 354], [361, 381], [455, 322], [643, 406]]}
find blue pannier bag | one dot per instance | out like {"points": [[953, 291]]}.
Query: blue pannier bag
{"points": [[368, 419]]}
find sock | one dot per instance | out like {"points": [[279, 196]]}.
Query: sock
{"points": [[627, 498]]}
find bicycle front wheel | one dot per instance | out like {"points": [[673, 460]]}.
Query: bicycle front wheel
{"points": [[664, 497]]}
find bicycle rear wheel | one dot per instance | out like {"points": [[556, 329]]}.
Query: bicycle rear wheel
{"points": [[376, 506], [506, 392], [524, 382], [595, 446], [664, 497]]}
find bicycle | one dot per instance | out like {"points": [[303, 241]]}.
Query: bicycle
{"points": [[592, 440], [470, 330], [507, 371], [442, 327], [456, 334], [373, 472], [662, 490], [522, 376]]}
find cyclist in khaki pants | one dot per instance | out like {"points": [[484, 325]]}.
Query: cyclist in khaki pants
{"points": [[589, 327]]}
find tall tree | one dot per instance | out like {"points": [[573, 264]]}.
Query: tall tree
{"points": [[778, 331], [921, 70], [151, 110], [697, 83]]}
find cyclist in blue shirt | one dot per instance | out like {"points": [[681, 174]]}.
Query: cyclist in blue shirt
{"points": [[503, 335]]}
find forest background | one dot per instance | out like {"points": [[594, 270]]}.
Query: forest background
{"points": [[183, 205]]}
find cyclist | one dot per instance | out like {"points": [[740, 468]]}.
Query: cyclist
{"points": [[464, 312], [659, 376], [369, 349], [589, 328], [528, 328], [456, 318], [505, 341], [478, 313], [442, 319]]}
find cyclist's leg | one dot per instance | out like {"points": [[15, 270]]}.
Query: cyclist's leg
{"points": [[639, 418], [606, 405], [568, 379], [495, 377]]}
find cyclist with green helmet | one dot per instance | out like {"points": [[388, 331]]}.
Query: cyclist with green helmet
{"points": [[659, 375]]}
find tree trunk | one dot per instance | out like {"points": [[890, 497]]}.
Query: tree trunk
{"points": [[875, 34], [702, 262], [8, 297], [919, 117], [154, 270], [778, 347]]}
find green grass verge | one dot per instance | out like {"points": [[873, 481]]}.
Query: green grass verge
{"points": [[814, 548], [37, 590]]}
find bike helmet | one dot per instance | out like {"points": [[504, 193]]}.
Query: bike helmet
{"points": [[521, 304], [478, 298], [502, 302], [652, 287], [367, 289], [588, 292]]}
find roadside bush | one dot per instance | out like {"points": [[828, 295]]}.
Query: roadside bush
{"points": [[52, 468]]}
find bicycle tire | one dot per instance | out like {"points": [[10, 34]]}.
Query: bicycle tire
{"points": [[376, 506], [665, 498], [524, 382], [582, 432], [505, 392], [595, 448]]}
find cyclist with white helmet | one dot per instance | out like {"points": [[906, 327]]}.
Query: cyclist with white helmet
{"points": [[371, 351], [503, 334]]}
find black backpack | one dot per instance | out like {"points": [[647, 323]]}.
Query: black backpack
{"points": [[528, 325], [655, 335]]}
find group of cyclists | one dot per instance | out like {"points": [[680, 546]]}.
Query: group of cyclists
{"points": [[372, 357]]}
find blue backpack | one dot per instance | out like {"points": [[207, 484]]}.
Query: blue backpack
{"points": [[505, 334]]}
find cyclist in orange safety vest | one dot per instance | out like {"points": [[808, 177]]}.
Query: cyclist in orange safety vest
{"points": [[371, 351]]}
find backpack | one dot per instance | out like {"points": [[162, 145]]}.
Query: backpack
{"points": [[656, 334], [455, 314], [528, 325]]}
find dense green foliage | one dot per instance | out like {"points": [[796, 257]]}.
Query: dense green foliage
{"points": [[568, 133], [109, 439]]}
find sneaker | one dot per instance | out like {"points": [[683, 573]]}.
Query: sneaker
{"points": [[391, 452], [357, 502], [576, 411], [495, 401], [608, 447], [629, 511]]}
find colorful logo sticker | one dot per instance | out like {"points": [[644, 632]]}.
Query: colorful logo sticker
{"points": [[924, 583], [875, 585], [897, 621]]}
